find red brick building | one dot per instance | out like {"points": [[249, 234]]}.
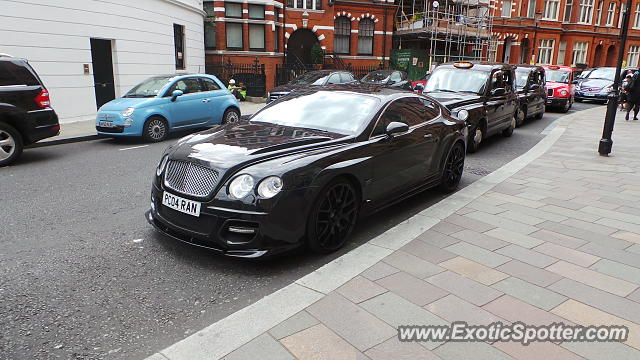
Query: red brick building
{"points": [[358, 32], [565, 32]]}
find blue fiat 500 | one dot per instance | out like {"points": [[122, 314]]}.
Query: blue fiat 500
{"points": [[162, 104]]}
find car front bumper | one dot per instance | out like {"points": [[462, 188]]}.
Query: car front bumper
{"points": [[584, 95], [557, 101], [120, 125], [227, 231]]}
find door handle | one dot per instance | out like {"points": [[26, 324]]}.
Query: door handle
{"points": [[206, 100]]}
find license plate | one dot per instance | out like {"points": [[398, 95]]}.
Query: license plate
{"points": [[180, 204], [107, 124]]}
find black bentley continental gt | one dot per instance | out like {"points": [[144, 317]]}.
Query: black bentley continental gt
{"points": [[304, 169]]}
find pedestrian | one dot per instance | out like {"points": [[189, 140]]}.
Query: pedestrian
{"points": [[633, 96], [624, 91], [240, 92]]}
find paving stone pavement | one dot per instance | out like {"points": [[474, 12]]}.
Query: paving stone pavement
{"points": [[557, 241]]}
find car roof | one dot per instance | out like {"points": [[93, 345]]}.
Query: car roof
{"points": [[559, 67], [380, 91], [480, 65], [528, 67]]}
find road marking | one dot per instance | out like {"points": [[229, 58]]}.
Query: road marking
{"points": [[133, 147]]}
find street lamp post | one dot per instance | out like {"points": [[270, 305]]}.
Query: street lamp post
{"points": [[605, 145]]}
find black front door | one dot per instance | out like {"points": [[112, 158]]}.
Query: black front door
{"points": [[102, 71]]}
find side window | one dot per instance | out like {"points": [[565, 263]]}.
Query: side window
{"points": [[187, 86], [432, 110], [346, 77], [14, 73], [502, 79], [334, 79], [396, 76], [403, 110], [496, 80], [209, 85]]}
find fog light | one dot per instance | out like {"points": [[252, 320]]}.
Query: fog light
{"points": [[241, 230], [153, 206]]}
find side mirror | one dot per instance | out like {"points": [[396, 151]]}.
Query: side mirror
{"points": [[396, 127], [175, 94], [498, 92], [419, 86], [534, 87]]}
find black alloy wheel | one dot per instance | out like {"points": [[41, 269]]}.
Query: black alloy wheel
{"points": [[333, 217], [453, 168], [522, 115]]}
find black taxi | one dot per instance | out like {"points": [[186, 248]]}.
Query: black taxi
{"points": [[530, 85], [483, 94]]}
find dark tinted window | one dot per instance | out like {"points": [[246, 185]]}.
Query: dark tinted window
{"points": [[346, 77], [334, 79], [402, 110], [15, 73], [431, 110], [188, 86], [209, 85]]}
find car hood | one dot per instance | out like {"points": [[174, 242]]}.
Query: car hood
{"points": [[231, 147], [289, 88], [595, 84], [121, 104], [453, 100]]}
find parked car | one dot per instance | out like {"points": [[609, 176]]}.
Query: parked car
{"points": [[560, 86], [166, 103], [273, 183], [311, 78], [530, 85], [419, 85], [390, 78], [26, 115], [597, 84], [481, 93]]}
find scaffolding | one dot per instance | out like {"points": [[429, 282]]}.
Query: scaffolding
{"points": [[450, 30]]}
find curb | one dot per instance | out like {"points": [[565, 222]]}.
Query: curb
{"points": [[237, 329], [64, 141]]}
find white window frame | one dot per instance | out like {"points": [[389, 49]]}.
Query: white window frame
{"points": [[531, 9], [633, 56], [545, 51], [296, 4], [580, 49], [551, 8], [599, 19], [586, 12], [506, 10], [623, 8], [636, 17], [611, 14], [562, 50], [568, 6]]}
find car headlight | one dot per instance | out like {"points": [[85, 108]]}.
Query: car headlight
{"points": [[463, 115], [270, 187], [608, 89], [128, 112], [241, 186], [563, 92], [162, 165]]}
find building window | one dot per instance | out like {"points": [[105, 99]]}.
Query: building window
{"points": [[276, 39], [178, 44], [586, 11], [506, 8], [256, 11], [256, 37], [580, 52], [531, 10], [611, 13], [276, 14], [342, 35], [232, 10], [562, 49], [551, 9], [365, 37], [633, 56], [623, 8], [567, 10], [305, 4], [234, 36], [545, 51], [208, 8], [636, 17], [209, 34], [599, 14]]}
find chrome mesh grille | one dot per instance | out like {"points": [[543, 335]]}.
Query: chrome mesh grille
{"points": [[189, 178]]}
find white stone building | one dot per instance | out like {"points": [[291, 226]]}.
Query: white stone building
{"points": [[89, 51]]}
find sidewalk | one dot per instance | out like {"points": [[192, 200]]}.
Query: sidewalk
{"points": [[553, 236], [86, 130]]}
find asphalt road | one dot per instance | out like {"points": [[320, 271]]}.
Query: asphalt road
{"points": [[83, 276]]}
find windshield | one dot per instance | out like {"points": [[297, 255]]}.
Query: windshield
{"points": [[376, 77], [521, 78], [311, 78], [458, 80], [337, 112], [559, 76], [148, 88], [602, 73]]}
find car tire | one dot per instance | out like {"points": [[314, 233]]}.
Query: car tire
{"points": [[566, 107], [512, 125], [230, 116], [578, 100], [476, 135], [453, 168], [11, 144], [333, 216], [522, 115], [155, 129], [540, 114]]}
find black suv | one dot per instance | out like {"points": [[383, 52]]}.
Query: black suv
{"points": [[531, 92], [309, 79], [483, 94], [26, 115]]}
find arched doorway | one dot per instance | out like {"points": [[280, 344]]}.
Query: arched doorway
{"points": [[524, 51], [299, 46], [598, 56], [611, 56], [506, 55]]}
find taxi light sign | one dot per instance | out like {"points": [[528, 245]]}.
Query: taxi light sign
{"points": [[554, 67], [463, 65]]}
